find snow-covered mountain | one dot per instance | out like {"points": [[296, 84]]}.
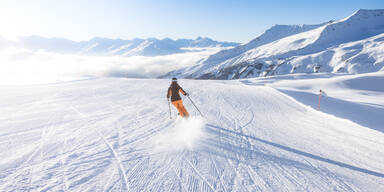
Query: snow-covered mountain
{"points": [[105, 46], [274, 33], [353, 45]]}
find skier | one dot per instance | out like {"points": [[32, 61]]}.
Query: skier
{"points": [[173, 92], [321, 95]]}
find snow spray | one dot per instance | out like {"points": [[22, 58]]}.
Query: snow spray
{"points": [[185, 133]]}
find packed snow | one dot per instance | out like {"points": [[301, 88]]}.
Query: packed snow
{"points": [[263, 134]]}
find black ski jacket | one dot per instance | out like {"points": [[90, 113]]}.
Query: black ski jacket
{"points": [[173, 91]]}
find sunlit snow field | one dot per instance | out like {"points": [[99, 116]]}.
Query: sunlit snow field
{"points": [[264, 134]]}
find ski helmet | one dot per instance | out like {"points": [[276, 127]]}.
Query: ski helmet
{"points": [[174, 79]]}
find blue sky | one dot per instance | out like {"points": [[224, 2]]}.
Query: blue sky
{"points": [[224, 20]]}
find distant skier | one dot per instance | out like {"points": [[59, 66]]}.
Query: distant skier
{"points": [[173, 92], [321, 95]]}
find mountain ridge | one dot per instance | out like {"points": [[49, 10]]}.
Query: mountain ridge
{"points": [[107, 46], [320, 48]]}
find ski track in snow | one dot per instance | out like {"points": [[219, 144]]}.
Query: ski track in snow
{"points": [[100, 135]]}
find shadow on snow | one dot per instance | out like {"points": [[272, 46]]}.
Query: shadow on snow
{"points": [[249, 153], [356, 112]]}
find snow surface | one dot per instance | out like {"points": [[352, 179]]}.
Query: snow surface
{"points": [[114, 134]]}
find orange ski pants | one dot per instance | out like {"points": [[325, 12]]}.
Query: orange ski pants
{"points": [[180, 107]]}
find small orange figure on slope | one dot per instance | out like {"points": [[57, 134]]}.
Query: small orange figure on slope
{"points": [[173, 92]]}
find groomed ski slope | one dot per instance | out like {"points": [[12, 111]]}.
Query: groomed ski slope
{"points": [[116, 135]]}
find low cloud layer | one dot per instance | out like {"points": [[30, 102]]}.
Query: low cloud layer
{"points": [[18, 66]]}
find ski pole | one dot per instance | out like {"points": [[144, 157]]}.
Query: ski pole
{"points": [[195, 105], [169, 105]]}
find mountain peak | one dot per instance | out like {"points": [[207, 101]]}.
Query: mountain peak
{"points": [[364, 13], [113, 46], [369, 11], [203, 39], [333, 46]]}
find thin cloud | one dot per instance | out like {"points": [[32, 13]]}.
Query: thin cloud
{"points": [[22, 65]]}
